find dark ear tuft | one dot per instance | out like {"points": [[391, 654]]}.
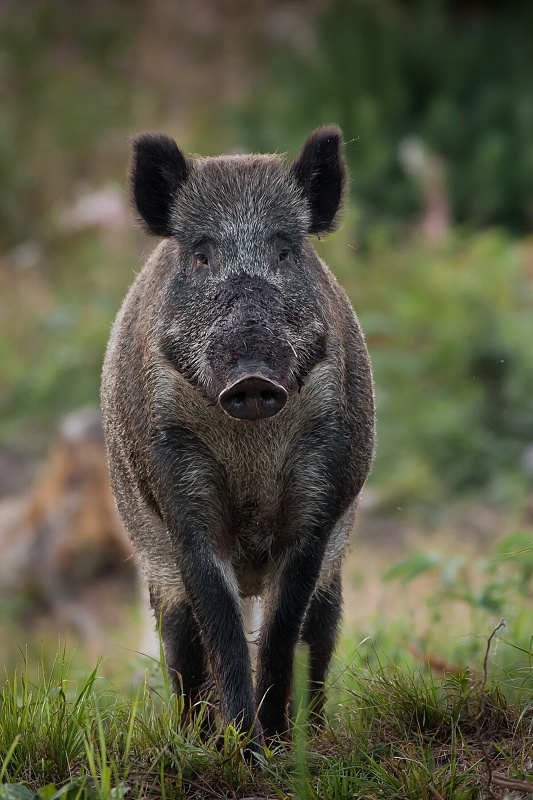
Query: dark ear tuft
{"points": [[158, 169], [320, 171]]}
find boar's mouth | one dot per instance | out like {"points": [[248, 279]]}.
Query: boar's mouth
{"points": [[253, 397]]}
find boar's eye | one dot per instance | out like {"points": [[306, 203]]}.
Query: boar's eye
{"points": [[202, 259], [282, 251]]}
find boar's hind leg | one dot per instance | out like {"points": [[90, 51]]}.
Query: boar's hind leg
{"points": [[284, 615], [184, 652], [320, 632]]}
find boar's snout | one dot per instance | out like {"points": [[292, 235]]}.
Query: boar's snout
{"points": [[253, 397]]}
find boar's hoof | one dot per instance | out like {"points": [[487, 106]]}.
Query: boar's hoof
{"points": [[253, 397]]}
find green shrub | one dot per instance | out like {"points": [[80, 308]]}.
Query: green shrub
{"points": [[461, 81], [65, 93], [495, 585], [449, 332]]}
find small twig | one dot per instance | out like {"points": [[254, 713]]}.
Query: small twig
{"points": [[436, 663], [482, 708], [512, 783], [433, 792]]}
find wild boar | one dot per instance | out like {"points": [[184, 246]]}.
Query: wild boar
{"points": [[239, 417]]}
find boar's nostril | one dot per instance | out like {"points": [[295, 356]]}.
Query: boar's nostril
{"points": [[253, 397], [269, 398], [238, 399]]}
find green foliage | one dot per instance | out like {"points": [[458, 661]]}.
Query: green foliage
{"points": [[394, 728], [66, 111], [64, 92], [496, 585], [500, 582], [461, 82], [57, 314], [99, 744], [75, 790], [41, 725], [449, 332]]}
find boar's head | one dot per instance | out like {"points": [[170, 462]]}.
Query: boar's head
{"points": [[240, 317]]}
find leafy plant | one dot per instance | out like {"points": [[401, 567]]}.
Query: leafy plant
{"points": [[498, 584], [448, 331], [458, 79]]}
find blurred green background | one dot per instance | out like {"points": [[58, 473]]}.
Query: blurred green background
{"points": [[436, 103]]}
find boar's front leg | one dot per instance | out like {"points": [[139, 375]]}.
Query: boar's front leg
{"points": [[194, 517], [215, 606]]}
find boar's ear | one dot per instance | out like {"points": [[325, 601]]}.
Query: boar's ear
{"points": [[158, 169], [320, 171]]}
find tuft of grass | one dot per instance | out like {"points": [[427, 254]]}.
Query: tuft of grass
{"points": [[392, 732]]}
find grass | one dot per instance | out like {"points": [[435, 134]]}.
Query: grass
{"points": [[396, 727], [393, 731]]}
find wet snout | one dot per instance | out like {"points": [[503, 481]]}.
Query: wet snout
{"points": [[253, 397]]}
